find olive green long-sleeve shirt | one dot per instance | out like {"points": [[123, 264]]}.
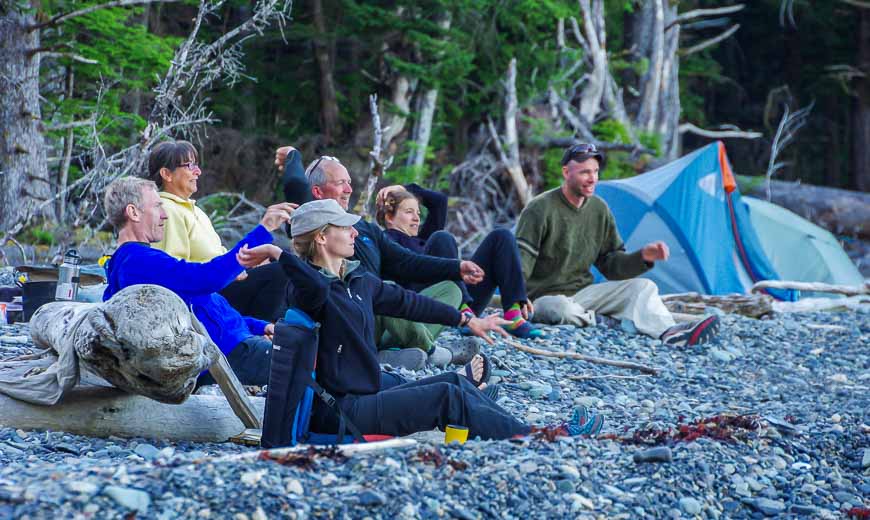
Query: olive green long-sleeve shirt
{"points": [[559, 243]]}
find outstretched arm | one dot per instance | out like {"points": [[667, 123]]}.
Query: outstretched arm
{"points": [[308, 288]]}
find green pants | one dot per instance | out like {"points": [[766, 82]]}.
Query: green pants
{"points": [[396, 332]]}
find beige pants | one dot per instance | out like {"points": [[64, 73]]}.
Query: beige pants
{"points": [[636, 299]]}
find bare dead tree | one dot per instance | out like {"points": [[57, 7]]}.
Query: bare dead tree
{"points": [[785, 134], [377, 164], [180, 105]]}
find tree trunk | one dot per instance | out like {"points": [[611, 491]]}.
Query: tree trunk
{"points": [[396, 118], [423, 128], [328, 101], [426, 105], [861, 133], [24, 181]]}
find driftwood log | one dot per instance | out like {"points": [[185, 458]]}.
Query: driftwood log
{"points": [[751, 305], [102, 411], [845, 290], [841, 212], [144, 340]]}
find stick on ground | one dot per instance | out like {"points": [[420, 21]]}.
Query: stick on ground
{"points": [[582, 357]]}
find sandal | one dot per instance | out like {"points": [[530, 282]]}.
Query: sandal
{"points": [[487, 369]]}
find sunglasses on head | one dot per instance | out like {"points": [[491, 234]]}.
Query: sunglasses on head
{"points": [[580, 150], [317, 163]]}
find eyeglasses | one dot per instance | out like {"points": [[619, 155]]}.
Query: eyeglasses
{"points": [[190, 165], [581, 150], [317, 163]]}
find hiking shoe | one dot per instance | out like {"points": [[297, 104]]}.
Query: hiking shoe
{"points": [[410, 358], [464, 349], [440, 356], [583, 422], [692, 333]]}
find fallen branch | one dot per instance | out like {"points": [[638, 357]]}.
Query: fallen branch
{"points": [[346, 450], [822, 304], [719, 134], [583, 377], [846, 290], [582, 357], [697, 13]]}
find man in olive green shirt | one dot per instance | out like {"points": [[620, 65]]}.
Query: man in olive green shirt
{"points": [[564, 231]]}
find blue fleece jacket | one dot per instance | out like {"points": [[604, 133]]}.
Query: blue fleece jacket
{"points": [[377, 253], [196, 283], [347, 358]]}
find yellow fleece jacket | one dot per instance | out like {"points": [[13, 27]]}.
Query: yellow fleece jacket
{"points": [[187, 232]]}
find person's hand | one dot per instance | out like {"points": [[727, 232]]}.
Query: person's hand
{"points": [[527, 309], [471, 273], [281, 156], [382, 195], [252, 257], [482, 326], [278, 214], [655, 251], [269, 331], [242, 276]]}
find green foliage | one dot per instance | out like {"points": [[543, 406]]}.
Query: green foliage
{"points": [[551, 166], [40, 236], [612, 131]]}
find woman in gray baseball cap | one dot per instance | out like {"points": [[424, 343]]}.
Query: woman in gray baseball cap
{"points": [[344, 300]]}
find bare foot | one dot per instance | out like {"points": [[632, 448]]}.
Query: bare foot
{"points": [[476, 369]]}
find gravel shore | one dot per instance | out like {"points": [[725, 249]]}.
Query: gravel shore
{"points": [[772, 419]]}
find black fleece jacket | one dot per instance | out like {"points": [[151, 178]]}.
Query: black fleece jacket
{"points": [[377, 253], [347, 358]]}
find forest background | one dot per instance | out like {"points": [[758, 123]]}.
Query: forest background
{"points": [[475, 97]]}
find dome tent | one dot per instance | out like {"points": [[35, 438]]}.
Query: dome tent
{"points": [[798, 249], [693, 205]]}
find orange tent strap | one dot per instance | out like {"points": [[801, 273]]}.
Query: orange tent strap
{"points": [[728, 180]]}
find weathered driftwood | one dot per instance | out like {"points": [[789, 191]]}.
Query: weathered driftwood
{"points": [[822, 304], [235, 393], [847, 290], [582, 357], [101, 412], [347, 450], [144, 340], [753, 305], [841, 212]]}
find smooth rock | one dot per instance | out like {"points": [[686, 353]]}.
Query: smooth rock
{"points": [[371, 498], [147, 451], [657, 454], [690, 505], [131, 499], [768, 507]]}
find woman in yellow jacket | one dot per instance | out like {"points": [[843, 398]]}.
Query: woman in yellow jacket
{"points": [[188, 233]]}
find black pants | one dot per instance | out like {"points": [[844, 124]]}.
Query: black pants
{"points": [[262, 295], [433, 402], [250, 360], [499, 258]]}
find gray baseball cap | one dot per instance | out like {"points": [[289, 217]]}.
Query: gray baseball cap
{"points": [[318, 213]]}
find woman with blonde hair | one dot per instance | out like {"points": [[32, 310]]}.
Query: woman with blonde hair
{"points": [[344, 299], [398, 211]]}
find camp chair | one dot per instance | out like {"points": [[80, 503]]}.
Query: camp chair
{"points": [[292, 389]]}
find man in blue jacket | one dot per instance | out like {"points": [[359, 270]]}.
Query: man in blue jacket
{"points": [[327, 178], [135, 210]]}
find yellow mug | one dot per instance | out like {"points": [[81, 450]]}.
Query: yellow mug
{"points": [[454, 433]]}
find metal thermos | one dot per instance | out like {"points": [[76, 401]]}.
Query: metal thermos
{"points": [[68, 277]]}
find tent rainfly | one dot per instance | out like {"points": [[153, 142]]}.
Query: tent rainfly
{"points": [[694, 206]]}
